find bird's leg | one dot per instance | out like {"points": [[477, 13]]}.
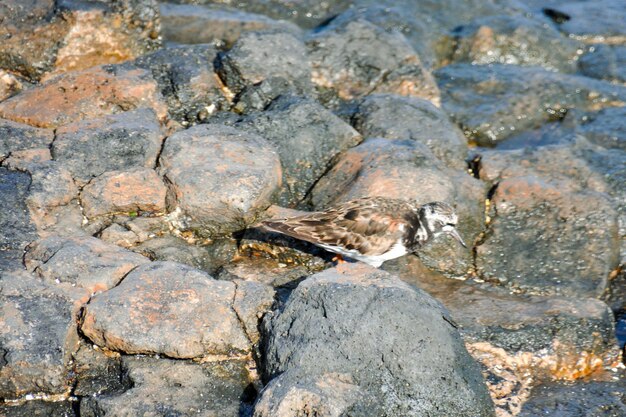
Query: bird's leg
{"points": [[339, 259]]}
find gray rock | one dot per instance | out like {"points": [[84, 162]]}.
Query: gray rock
{"points": [[167, 387], [393, 117], [263, 65], [16, 226], [84, 261], [606, 128], [39, 409], [91, 147], [606, 62], [37, 335], [192, 24], [98, 372], [553, 230], [600, 20], [187, 81], [360, 58], [584, 399], [252, 301], [377, 339], [307, 137], [491, 103], [18, 137], [167, 308], [219, 178], [407, 169], [514, 40]]}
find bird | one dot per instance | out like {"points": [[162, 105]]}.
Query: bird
{"points": [[372, 229]]}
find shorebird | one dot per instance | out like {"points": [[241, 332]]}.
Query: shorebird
{"points": [[372, 229]]}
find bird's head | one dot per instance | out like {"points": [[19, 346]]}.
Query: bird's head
{"points": [[440, 218]]}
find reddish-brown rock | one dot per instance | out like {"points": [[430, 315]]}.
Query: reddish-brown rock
{"points": [[85, 94], [139, 190], [171, 309]]}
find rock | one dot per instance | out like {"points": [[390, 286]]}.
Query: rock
{"points": [[37, 335], [393, 117], [99, 372], [585, 399], [219, 178], [78, 95], [549, 234], [119, 235], [92, 147], [384, 346], [265, 271], [514, 40], [171, 387], [606, 62], [170, 309], [408, 170], [16, 225], [187, 81], [252, 301], [21, 160], [361, 58], [611, 164], [42, 37], [139, 190], [521, 341], [83, 261], [307, 138], [306, 14], [192, 24], [491, 103], [39, 408], [264, 65], [206, 257], [600, 21], [606, 128], [19, 137], [53, 199], [10, 85]]}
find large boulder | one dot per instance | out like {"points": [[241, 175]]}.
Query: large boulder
{"points": [[219, 177], [175, 310], [358, 341]]}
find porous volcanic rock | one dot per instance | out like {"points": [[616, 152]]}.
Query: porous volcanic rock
{"points": [[219, 177], [368, 344], [19, 137], [89, 148], [83, 261], [170, 309]]}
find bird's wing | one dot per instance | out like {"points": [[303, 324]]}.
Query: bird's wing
{"points": [[361, 225]]}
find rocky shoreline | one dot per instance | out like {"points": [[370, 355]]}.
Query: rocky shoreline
{"points": [[142, 142]]}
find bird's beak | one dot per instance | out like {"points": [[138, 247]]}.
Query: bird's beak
{"points": [[455, 234]]}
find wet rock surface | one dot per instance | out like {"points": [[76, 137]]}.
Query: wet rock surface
{"points": [[142, 144]]}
